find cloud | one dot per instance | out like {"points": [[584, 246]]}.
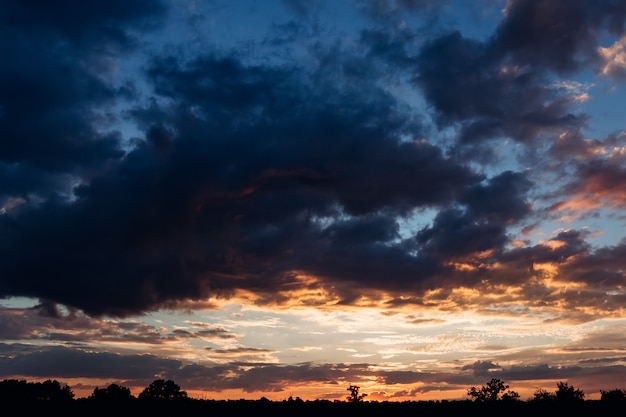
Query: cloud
{"points": [[324, 154], [481, 367], [58, 88], [243, 355], [613, 60], [248, 175], [482, 227], [139, 370], [469, 83], [46, 322], [529, 34], [312, 166], [596, 169], [499, 87], [573, 144], [75, 363], [102, 22]]}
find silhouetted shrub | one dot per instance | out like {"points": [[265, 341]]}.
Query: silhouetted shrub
{"points": [[566, 393], [613, 395], [493, 391], [161, 389], [19, 390], [113, 392]]}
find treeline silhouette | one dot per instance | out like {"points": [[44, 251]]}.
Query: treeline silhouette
{"points": [[165, 397]]}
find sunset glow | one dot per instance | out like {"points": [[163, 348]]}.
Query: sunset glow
{"points": [[284, 198]]}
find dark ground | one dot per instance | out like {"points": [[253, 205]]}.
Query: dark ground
{"points": [[237, 408]]}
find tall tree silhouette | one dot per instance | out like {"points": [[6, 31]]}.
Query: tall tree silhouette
{"points": [[354, 396]]}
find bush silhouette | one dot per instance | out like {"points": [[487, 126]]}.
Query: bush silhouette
{"points": [[542, 395], [163, 397], [161, 389], [113, 392], [493, 391], [566, 393], [613, 395], [49, 390]]}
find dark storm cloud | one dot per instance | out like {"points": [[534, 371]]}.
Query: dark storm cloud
{"points": [[501, 200], [573, 259], [250, 173], [455, 234], [529, 35], [500, 87], [482, 226], [470, 84], [97, 23], [560, 249], [567, 257], [602, 268], [55, 88], [17, 179], [238, 178], [335, 257]]}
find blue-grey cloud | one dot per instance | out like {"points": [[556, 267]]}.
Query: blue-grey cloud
{"points": [[245, 172]]}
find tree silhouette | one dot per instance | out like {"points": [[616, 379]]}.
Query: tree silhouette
{"points": [[613, 395], [163, 390], [510, 396], [113, 392], [566, 393], [14, 390], [492, 391], [20, 390], [53, 390], [354, 396], [542, 395]]}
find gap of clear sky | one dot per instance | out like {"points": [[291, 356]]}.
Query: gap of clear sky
{"points": [[283, 198]]}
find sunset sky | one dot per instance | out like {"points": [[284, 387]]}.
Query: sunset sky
{"points": [[284, 197]]}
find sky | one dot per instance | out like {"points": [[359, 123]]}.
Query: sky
{"points": [[286, 197]]}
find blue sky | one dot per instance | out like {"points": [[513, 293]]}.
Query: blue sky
{"points": [[288, 197]]}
